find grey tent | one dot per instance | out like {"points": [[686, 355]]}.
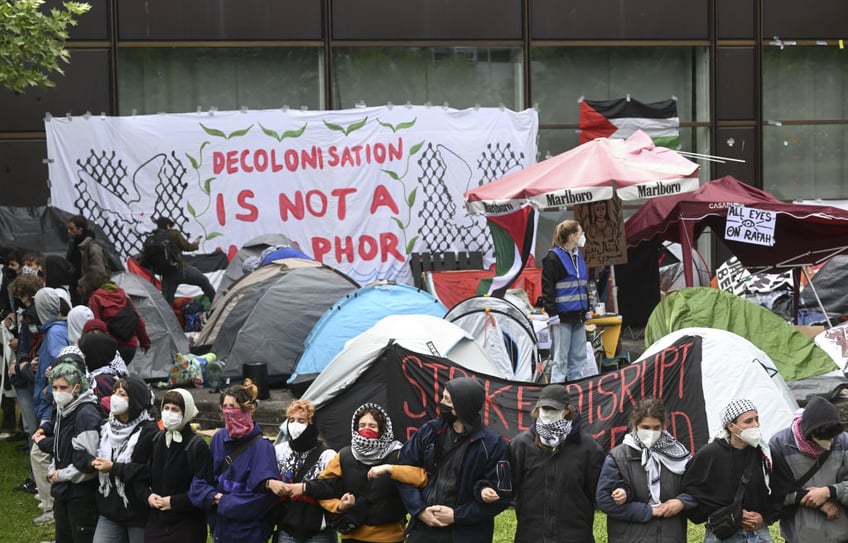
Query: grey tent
{"points": [[252, 248], [265, 316], [503, 331], [166, 334]]}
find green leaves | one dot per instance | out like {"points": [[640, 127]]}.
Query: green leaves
{"points": [[213, 235], [197, 162], [32, 43], [415, 148], [191, 210], [411, 244], [391, 174], [220, 134], [284, 135], [347, 131], [399, 126]]}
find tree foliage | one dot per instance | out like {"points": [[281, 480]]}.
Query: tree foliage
{"points": [[32, 42]]}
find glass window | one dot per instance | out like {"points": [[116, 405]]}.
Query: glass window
{"points": [[561, 75], [460, 76], [181, 79], [804, 83], [806, 161]]}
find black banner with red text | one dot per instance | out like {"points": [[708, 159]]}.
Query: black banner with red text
{"points": [[409, 385]]}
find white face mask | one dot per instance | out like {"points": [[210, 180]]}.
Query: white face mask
{"points": [[33, 328], [750, 436], [171, 420], [648, 437], [581, 241], [824, 443], [63, 398], [118, 405], [549, 415], [295, 429]]}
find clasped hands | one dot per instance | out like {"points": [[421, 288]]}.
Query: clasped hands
{"points": [[818, 497]]}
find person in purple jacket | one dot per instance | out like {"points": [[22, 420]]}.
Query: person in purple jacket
{"points": [[238, 504]]}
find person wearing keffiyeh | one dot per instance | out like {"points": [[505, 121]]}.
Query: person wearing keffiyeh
{"points": [[125, 444], [715, 471], [555, 469], [358, 484], [639, 486], [815, 509], [178, 456]]}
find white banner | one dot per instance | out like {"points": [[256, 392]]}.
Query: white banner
{"points": [[357, 189]]}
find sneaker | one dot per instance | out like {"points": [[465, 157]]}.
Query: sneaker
{"points": [[5, 435], [43, 520], [27, 486]]}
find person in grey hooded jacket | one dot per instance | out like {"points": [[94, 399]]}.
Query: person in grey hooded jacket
{"points": [[813, 510]]}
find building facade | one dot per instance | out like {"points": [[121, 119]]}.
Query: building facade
{"points": [[764, 81]]}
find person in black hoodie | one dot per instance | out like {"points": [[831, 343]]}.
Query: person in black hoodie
{"points": [[460, 457], [73, 444], [125, 445], [178, 456]]}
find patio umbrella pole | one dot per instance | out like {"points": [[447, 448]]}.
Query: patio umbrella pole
{"points": [[816, 294]]}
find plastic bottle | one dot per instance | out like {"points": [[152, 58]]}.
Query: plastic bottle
{"points": [[592, 292]]}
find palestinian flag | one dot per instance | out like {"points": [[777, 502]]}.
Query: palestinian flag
{"points": [[514, 236], [620, 118]]}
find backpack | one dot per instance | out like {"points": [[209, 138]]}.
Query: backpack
{"points": [[124, 323], [158, 253]]}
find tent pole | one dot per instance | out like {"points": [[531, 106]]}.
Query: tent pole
{"points": [[816, 294], [686, 246]]}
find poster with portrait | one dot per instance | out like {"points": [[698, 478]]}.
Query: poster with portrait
{"points": [[603, 224]]}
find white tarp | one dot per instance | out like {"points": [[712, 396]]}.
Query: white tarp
{"points": [[357, 189]]}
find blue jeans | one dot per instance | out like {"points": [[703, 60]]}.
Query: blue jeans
{"points": [[109, 531], [569, 346], [327, 536], [28, 418], [758, 536]]}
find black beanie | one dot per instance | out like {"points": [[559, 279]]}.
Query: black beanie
{"points": [[820, 415]]}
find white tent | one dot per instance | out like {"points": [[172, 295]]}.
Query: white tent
{"points": [[419, 333], [732, 367]]}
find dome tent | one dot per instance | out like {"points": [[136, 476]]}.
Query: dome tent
{"points": [[503, 331], [166, 335], [355, 313], [266, 316]]}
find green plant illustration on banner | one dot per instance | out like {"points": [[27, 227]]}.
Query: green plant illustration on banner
{"points": [[350, 129], [287, 134], [205, 185], [408, 196]]}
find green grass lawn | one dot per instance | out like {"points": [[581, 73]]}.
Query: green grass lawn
{"points": [[18, 509]]}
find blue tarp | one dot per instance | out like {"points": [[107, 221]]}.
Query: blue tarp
{"points": [[356, 313]]}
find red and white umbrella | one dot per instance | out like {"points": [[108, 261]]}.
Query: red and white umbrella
{"points": [[634, 168]]}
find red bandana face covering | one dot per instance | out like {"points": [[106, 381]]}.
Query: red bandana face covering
{"points": [[369, 433], [238, 421]]}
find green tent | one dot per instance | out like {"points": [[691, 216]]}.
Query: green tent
{"points": [[794, 355]]}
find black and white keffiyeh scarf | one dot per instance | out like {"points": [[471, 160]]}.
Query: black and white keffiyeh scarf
{"points": [[667, 452], [117, 443], [554, 433], [372, 451]]}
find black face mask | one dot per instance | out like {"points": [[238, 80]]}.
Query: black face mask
{"points": [[447, 413], [11, 274], [305, 441]]}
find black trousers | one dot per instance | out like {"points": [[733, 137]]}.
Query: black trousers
{"points": [[76, 518]]}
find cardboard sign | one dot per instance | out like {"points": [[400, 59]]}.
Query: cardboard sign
{"points": [[750, 225]]}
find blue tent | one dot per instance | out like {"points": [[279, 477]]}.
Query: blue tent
{"points": [[354, 314]]}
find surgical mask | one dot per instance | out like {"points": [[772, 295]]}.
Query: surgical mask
{"points": [[295, 429], [750, 436], [581, 241], [63, 398], [118, 405], [548, 415], [824, 443], [648, 437], [171, 420], [447, 413]]}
